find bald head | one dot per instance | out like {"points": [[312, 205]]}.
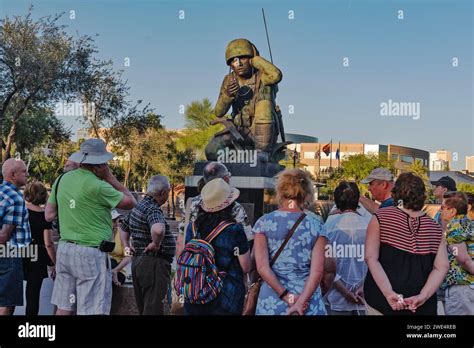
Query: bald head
{"points": [[214, 170], [15, 172]]}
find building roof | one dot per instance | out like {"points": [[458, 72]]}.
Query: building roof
{"points": [[300, 138], [459, 177]]}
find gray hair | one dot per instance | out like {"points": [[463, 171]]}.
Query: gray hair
{"points": [[157, 184], [214, 170]]}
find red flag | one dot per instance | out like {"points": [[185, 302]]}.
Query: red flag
{"points": [[327, 149]]}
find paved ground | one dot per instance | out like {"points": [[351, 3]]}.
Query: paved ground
{"points": [[46, 308]]}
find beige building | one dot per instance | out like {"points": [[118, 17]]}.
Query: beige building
{"points": [[440, 160], [308, 154], [470, 164]]}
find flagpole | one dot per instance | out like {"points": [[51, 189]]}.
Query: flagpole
{"points": [[295, 153], [339, 159], [319, 162], [330, 156]]}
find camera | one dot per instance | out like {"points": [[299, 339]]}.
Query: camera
{"points": [[107, 246]]}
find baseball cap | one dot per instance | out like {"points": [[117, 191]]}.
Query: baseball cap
{"points": [[378, 174], [446, 181]]}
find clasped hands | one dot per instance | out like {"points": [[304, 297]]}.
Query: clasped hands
{"points": [[398, 303]]}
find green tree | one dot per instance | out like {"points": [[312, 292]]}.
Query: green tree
{"points": [[357, 167], [418, 169], [130, 139], [465, 187], [198, 130], [46, 163], [156, 152], [179, 165], [104, 93], [39, 64], [39, 127]]}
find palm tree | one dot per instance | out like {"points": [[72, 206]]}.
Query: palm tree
{"points": [[198, 131]]}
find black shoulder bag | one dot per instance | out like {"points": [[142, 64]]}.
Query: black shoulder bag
{"points": [[57, 205]]}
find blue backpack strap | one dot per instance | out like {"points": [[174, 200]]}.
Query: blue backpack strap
{"points": [[219, 228]]}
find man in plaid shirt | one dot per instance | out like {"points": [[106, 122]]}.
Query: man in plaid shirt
{"points": [[14, 233], [153, 247]]}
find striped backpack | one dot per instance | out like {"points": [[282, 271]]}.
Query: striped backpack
{"points": [[198, 280]]}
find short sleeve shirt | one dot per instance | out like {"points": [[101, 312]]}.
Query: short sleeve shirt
{"points": [[13, 212], [139, 222], [387, 203], [459, 230], [84, 203], [293, 266], [346, 243]]}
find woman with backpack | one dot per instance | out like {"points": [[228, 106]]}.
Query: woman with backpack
{"points": [[216, 256], [289, 251]]}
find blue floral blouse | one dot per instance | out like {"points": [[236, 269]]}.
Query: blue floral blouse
{"points": [[293, 265]]}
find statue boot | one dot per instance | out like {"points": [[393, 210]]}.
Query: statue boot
{"points": [[263, 141]]}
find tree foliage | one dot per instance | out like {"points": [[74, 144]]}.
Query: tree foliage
{"points": [[46, 164], [105, 95], [39, 127], [357, 167], [198, 131], [418, 169], [40, 64], [465, 187]]}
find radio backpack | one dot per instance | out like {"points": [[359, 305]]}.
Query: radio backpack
{"points": [[198, 280]]}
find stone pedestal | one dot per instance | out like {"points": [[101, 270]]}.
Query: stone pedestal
{"points": [[258, 169]]}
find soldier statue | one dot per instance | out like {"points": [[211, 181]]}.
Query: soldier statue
{"points": [[250, 88]]}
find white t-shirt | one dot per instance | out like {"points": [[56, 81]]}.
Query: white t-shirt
{"points": [[346, 243]]}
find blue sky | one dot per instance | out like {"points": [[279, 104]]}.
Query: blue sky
{"points": [[175, 61]]}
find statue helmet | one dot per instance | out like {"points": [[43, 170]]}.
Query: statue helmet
{"points": [[239, 47]]}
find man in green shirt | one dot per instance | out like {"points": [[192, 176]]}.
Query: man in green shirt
{"points": [[82, 200]]}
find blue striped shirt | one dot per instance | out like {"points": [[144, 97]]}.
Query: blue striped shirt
{"points": [[13, 212]]}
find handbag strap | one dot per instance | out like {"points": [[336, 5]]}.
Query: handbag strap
{"points": [[56, 194], [293, 229]]}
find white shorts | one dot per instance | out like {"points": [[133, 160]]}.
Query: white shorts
{"points": [[459, 300], [83, 280]]}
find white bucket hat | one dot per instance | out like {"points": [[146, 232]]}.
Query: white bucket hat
{"points": [[92, 151], [217, 195]]}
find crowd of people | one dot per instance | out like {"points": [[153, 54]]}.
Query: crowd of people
{"points": [[379, 256]]}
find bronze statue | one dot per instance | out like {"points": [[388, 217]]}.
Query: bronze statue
{"points": [[250, 88]]}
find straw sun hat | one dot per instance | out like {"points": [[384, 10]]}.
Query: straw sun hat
{"points": [[217, 195]]}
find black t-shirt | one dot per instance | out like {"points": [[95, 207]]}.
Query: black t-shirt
{"points": [[38, 224]]}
